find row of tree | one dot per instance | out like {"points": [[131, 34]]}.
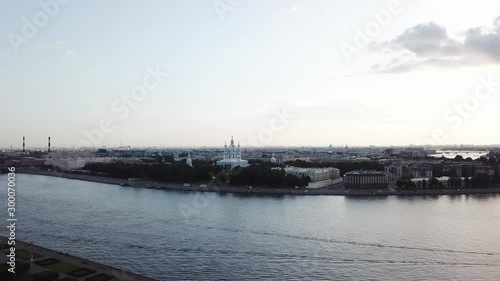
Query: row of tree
{"points": [[489, 161], [177, 172], [261, 174], [265, 176], [478, 181]]}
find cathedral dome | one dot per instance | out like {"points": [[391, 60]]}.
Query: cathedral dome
{"points": [[273, 159], [232, 156]]}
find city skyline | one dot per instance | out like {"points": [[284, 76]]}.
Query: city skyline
{"points": [[272, 74], [19, 146]]}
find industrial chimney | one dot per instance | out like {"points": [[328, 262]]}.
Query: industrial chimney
{"points": [[24, 144], [49, 145]]}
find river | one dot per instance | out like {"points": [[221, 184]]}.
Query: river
{"points": [[450, 154], [175, 235]]}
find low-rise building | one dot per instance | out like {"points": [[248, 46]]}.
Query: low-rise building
{"points": [[316, 174], [490, 171], [394, 172], [422, 171], [366, 180], [452, 170], [414, 153], [443, 182], [68, 164], [320, 177]]}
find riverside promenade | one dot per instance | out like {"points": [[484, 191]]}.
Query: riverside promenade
{"points": [[66, 262], [260, 190]]}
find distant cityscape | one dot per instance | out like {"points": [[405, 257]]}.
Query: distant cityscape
{"points": [[329, 167]]}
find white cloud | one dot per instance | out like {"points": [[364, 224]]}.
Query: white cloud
{"points": [[429, 44]]}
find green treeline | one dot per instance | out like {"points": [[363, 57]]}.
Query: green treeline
{"points": [[265, 176], [261, 174], [480, 180], [177, 172]]}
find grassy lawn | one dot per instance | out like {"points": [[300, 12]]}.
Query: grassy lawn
{"points": [[81, 272], [26, 255], [47, 262], [63, 267]]}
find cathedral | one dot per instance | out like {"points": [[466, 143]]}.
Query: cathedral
{"points": [[232, 156]]}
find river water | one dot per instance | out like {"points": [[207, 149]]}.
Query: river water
{"points": [[450, 154], [173, 235]]}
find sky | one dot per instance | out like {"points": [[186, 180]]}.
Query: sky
{"points": [[269, 73]]}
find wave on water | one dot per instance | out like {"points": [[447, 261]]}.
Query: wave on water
{"points": [[357, 243]]}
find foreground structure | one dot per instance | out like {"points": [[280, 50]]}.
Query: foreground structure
{"points": [[62, 266], [320, 177], [366, 180]]}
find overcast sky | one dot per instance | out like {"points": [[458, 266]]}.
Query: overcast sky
{"points": [[267, 72]]}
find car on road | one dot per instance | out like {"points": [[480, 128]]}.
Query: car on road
{"points": [[186, 185]]}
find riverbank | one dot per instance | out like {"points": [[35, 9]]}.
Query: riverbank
{"points": [[232, 189], [100, 271]]}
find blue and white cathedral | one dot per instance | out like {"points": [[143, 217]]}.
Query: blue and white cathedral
{"points": [[232, 156]]}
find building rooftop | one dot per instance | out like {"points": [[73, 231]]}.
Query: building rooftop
{"points": [[365, 173]]}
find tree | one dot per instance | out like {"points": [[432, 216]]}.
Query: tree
{"points": [[493, 161], [480, 180], [459, 158], [433, 183], [307, 180], [483, 160], [292, 181], [405, 183], [424, 183], [455, 182], [466, 181], [175, 172], [169, 158]]}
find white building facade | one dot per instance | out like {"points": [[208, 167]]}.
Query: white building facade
{"points": [[232, 156], [320, 177], [366, 180]]}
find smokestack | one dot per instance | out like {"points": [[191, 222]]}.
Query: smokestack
{"points": [[49, 145], [24, 144]]}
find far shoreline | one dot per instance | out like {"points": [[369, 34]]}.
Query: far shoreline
{"points": [[258, 190]]}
